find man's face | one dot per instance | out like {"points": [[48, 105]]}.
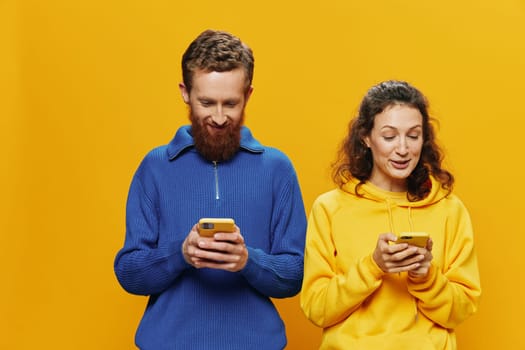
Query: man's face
{"points": [[217, 101]]}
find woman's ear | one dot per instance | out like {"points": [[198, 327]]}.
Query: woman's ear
{"points": [[366, 142]]}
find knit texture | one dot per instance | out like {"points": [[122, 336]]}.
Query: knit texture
{"points": [[192, 308]]}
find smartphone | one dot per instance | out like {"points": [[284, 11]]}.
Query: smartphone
{"points": [[414, 238], [208, 226]]}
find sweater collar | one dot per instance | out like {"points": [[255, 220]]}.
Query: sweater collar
{"points": [[183, 140]]}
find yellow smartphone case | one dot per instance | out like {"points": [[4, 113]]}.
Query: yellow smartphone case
{"points": [[209, 226], [414, 238]]}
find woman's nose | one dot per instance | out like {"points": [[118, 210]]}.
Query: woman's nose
{"points": [[402, 147]]}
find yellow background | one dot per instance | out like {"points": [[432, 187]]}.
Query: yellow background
{"points": [[88, 87]]}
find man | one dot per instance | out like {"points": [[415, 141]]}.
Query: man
{"points": [[213, 293]]}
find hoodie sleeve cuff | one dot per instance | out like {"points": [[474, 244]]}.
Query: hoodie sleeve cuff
{"points": [[372, 266], [423, 282]]}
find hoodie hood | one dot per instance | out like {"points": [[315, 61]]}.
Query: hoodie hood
{"points": [[372, 192], [395, 199]]}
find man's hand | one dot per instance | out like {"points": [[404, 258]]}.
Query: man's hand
{"points": [[224, 251]]}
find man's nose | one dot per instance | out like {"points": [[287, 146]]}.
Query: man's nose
{"points": [[218, 116]]}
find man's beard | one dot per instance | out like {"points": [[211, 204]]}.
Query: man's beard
{"points": [[220, 146]]}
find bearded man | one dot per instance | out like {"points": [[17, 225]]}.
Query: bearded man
{"points": [[213, 292]]}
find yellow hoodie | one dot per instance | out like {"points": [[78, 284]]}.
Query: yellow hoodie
{"points": [[361, 307]]}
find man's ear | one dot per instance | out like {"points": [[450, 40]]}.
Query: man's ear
{"points": [[249, 93], [184, 92]]}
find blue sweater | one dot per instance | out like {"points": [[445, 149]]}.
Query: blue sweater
{"points": [[207, 309]]}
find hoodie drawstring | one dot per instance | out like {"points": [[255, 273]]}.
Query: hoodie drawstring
{"points": [[392, 229], [391, 217]]}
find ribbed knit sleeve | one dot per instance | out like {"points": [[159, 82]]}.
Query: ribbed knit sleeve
{"points": [[143, 266], [279, 274]]}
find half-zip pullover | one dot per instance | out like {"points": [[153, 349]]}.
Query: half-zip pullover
{"points": [[171, 190]]}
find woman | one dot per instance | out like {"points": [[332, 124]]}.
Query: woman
{"points": [[363, 289]]}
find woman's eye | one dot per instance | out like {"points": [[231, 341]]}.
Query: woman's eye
{"points": [[413, 137], [388, 138]]}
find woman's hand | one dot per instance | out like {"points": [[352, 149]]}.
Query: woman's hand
{"points": [[394, 258], [424, 264]]}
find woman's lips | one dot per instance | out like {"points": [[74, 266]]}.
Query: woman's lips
{"points": [[400, 164]]}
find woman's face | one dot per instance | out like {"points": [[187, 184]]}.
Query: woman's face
{"points": [[396, 141]]}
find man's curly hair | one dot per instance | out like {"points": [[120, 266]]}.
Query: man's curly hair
{"points": [[216, 51]]}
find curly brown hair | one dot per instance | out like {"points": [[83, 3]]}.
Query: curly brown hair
{"points": [[354, 158], [217, 51]]}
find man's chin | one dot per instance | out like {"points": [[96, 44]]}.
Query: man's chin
{"points": [[222, 156], [216, 143], [217, 147]]}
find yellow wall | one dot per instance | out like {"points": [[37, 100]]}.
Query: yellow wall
{"points": [[88, 87]]}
